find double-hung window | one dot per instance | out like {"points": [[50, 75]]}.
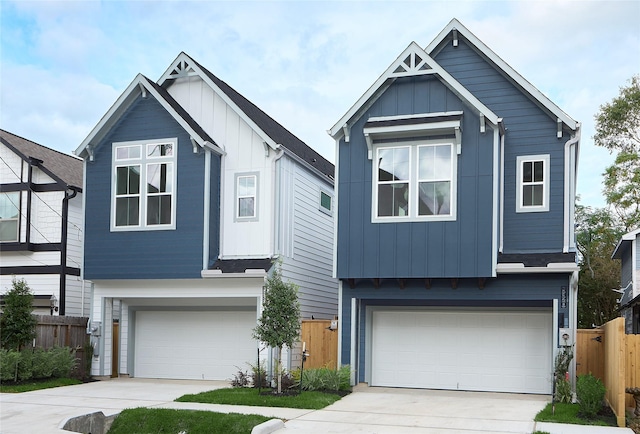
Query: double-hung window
{"points": [[532, 192], [414, 181], [9, 216], [246, 197], [144, 185]]}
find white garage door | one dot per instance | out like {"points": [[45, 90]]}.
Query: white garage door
{"points": [[462, 350], [193, 345]]}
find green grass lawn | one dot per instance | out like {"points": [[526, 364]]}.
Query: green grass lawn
{"points": [[248, 396], [160, 420], [568, 413], [29, 386]]}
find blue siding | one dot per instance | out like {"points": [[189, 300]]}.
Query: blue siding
{"points": [[530, 131], [148, 254], [626, 272], [460, 248], [515, 291]]}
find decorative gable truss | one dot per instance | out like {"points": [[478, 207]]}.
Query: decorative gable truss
{"points": [[414, 61]]}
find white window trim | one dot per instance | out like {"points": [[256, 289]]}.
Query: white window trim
{"points": [[236, 211], [520, 185], [322, 208], [143, 161], [413, 182]]}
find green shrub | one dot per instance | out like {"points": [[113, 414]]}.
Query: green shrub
{"points": [[326, 379], [36, 363], [590, 392]]}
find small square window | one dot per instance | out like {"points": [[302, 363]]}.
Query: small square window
{"points": [[325, 202]]}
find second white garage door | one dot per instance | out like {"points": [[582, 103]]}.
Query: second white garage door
{"points": [[193, 345], [462, 350]]}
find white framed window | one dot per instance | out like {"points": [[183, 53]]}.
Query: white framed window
{"points": [[246, 203], [414, 181], [532, 190], [9, 216], [144, 185], [326, 202]]}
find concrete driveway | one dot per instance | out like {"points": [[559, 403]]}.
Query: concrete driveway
{"points": [[367, 410]]}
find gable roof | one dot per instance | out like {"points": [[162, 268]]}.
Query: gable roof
{"points": [[272, 132], [64, 168], [625, 239], [140, 86], [455, 29], [411, 62]]}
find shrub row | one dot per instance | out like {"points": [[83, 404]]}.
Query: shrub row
{"points": [[325, 379], [36, 363]]}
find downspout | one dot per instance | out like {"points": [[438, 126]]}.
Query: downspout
{"points": [[63, 247], [569, 190], [277, 170]]}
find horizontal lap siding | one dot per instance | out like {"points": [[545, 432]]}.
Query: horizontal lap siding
{"points": [[146, 254], [529, 131], [460, 248], [310, 265]]}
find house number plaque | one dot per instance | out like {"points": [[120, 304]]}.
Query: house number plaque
{"points": [[563, 297]]}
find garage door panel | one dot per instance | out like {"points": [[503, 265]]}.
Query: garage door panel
{"points": [[491, 351], [193, 344]]}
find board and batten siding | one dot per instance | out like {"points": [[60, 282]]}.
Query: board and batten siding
{"points": [[529, 131], [508, 291], [627, 264], [460, 248], [244, 154], [306, 239], [155, 253]]}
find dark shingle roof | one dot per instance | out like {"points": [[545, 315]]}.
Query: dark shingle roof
{"points": [[181, 111], [66, 168], [273, 129]]}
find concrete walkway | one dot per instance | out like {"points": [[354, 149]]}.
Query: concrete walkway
{"points": [[367, 410]]}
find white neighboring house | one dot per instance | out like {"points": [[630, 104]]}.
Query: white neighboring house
{"points": [[41, 238], [191, 192]]}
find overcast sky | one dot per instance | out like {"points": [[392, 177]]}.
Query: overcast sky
{"points": [[63, 64]]}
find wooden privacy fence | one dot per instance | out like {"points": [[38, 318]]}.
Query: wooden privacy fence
{"points": [[64, 331], [321, 343], [590, 352], [615, 359]]}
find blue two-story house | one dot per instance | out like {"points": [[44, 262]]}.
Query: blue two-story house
{"points": [[455, 247], [191, 193]]}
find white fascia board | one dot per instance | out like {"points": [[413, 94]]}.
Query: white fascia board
{"points": [[630, 236], [337, 130], [554, 267], [415, 116], [112, 115], [504, 66], [204, 77], [137, 86]]}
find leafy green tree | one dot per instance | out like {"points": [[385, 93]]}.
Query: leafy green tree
{"points": [[17, 324], [279, 323], [597, 233], [618, 130]]}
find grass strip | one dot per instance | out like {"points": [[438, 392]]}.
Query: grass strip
{"points": [[568, 413], [29, 386], [247, 396], [161, 420]]}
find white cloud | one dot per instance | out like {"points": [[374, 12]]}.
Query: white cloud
{"points": [[304, 63]]}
